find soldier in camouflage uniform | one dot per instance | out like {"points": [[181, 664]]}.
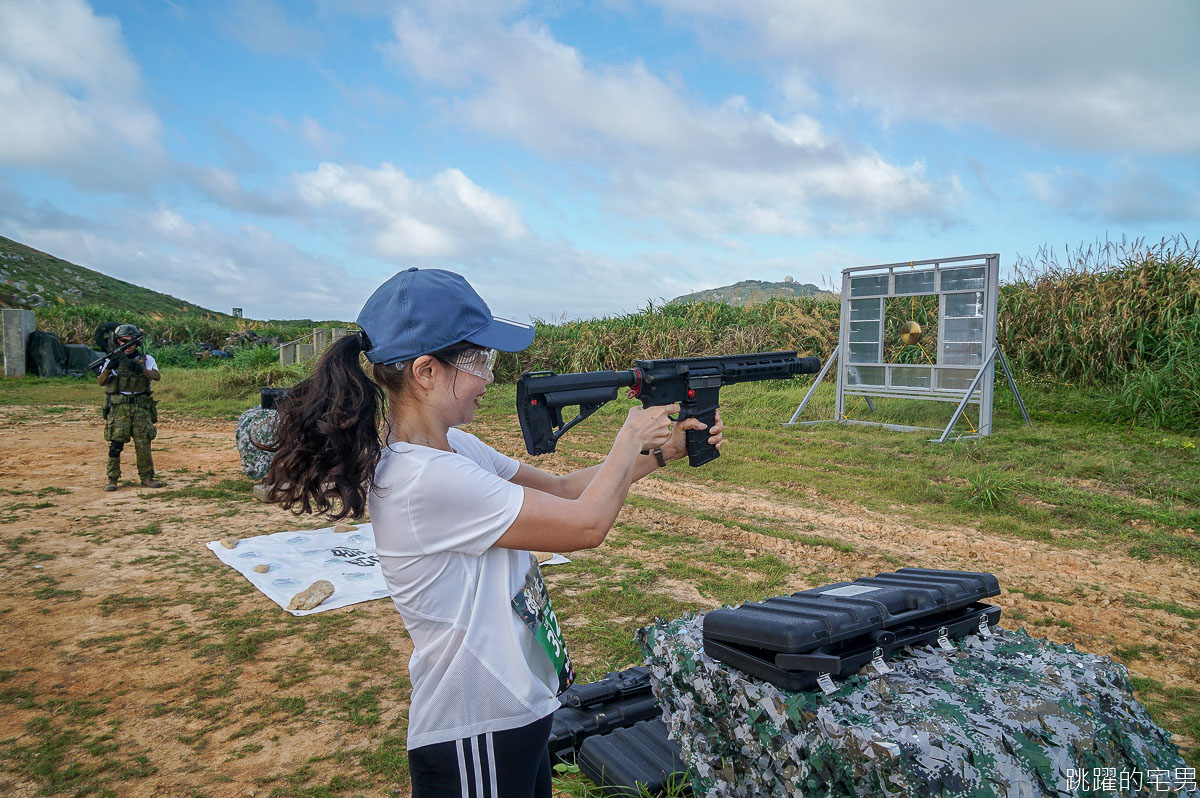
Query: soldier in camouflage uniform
{"points": [[130, 410]]}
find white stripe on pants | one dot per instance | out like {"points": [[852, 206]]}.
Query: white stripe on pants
{"points": [[477, 767]]}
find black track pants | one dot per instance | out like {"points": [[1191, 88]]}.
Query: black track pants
{"points": [[504, 764]]}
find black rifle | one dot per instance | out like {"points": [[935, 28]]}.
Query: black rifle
{"points": [[693, 382], [134, 341]]}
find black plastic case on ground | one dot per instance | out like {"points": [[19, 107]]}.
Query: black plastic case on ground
{"points": [[837, 629], [267, 397], [618, 700], [641, 754]]}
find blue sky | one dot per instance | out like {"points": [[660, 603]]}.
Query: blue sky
{"points": [[578, 159]]}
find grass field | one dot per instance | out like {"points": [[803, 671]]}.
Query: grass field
{"points": [[135, 663]]}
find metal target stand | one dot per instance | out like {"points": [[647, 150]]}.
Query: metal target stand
{"points": [[967, 347]]}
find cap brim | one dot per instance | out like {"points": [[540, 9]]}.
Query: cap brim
{"points": [[503, 334]]}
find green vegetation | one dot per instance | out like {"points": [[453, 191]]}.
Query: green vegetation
{"points": [[186, 330], [678, 330], [749, 292], [1126, 316]]}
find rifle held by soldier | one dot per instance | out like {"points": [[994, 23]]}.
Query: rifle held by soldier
{"points": [[115, 352], [692, 382]]}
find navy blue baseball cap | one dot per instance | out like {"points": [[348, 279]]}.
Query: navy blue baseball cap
{"points": [[421, 311]]}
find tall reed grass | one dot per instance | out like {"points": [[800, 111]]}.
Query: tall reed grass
{"points": [[1100, 312], [807, 325], [1123, 315]]}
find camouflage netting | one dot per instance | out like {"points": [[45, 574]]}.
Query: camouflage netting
{"points": [[1007, 715], [259, 424]]}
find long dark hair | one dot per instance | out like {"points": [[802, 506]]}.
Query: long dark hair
{"points": [[330, 430]]}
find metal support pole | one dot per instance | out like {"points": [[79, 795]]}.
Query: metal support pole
{"points": [[813, 388], [1012, 384], [958, 411], [990, 297], [839, 407]]}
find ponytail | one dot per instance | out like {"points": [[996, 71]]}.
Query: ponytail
{"points": [[328, 437]]}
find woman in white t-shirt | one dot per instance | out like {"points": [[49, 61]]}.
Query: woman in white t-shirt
{"points": [[455, 521]]}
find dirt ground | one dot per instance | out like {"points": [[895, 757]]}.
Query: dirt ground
{"points": [[87, 584]]}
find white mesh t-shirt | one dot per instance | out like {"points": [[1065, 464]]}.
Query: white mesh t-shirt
{"points": [[475, 666]]}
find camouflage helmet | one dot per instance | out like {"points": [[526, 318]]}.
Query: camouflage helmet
{"points": [[125, 331]]}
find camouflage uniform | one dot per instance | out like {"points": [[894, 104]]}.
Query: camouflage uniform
{"points": [[1006, 715], [130, 413]]}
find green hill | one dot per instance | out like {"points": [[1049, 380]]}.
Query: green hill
{"points": [[750, 292], [32, 279]]}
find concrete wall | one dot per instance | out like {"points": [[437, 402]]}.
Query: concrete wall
{"points": [[316, 343], [320, 339], [18, 325]]}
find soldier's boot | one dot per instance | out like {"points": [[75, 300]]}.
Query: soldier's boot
{"points": [[151, 483], [111, 485]]}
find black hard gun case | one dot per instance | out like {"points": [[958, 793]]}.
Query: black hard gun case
{"points": [[641, 754], [837, 629], [619, 699]]}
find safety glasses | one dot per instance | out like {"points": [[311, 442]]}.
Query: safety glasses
{"points": [[475, 361]]}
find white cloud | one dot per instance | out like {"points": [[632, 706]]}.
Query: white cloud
{"points": [[1132, 196], [249, 266], [194, 259], [252, 267], [317, 137], [227, 189], [1103, 74], [716, 171], [263, 27], [447, 215], [71, 97]]}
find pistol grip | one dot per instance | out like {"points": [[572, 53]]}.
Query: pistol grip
{"points": [[699, 450]]}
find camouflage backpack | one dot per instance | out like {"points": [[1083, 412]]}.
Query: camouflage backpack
{"points": [[256, 424]]}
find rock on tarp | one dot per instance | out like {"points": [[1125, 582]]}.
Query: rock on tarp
{"points": [[1008, 715]]}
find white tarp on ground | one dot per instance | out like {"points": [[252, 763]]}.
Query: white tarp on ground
{"points": [[347, 560], [297, 559]]}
